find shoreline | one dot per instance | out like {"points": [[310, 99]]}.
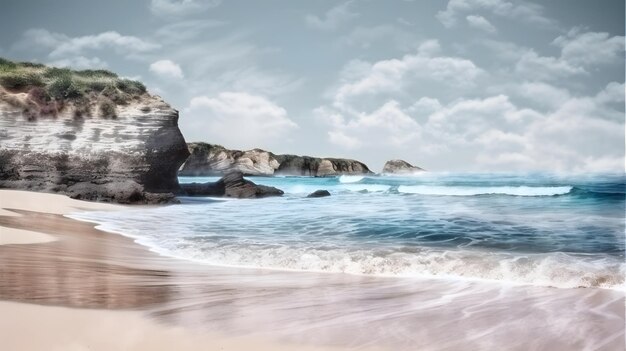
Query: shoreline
{"points": [[110, 274]]}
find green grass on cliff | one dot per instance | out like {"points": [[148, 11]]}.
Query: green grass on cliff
{"points": [[66, 84]]}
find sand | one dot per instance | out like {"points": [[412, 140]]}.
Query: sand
{"points": [[32, 327], [91, 290]]}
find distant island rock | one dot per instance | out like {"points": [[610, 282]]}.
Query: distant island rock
{"points": [[231, 185], [400, 167], [88, 134], [215, 160]]}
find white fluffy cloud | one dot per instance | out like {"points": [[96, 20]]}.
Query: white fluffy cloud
{"points": [[393, 75], [590, 48], [533, 66], [492, 133], [391, 125], [240, 119], [167, 69], [181, 7], [333, 17], [521, 10], [579, 52], [481, 23], [62, 46]]}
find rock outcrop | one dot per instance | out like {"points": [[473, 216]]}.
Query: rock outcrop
{"points": [[400, 167], [318, 167], [231, 185], [215, 160], [319, 193], [85, 145]]}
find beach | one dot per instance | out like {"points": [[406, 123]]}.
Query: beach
{"points": [[67, 285]]}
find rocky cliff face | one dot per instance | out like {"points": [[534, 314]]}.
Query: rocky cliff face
{"points": [[215, 160], [127, 153], [400, 167]]}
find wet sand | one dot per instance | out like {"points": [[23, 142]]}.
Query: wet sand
{"points": [[88, 289]]}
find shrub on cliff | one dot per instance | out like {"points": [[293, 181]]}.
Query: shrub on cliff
{"points": [[20, 80], [63, 84], [65, 88], [107, 108]]}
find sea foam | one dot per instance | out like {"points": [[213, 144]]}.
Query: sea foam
{"points": [[496, 190]]}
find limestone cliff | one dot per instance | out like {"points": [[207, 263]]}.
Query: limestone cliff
{"points": [[400, 167], [93, 139], [215, 160]]}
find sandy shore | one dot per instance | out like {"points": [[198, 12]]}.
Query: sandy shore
{"points": [[66, 285]]}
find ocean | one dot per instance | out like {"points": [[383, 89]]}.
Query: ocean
{"points": [[543, 229]]}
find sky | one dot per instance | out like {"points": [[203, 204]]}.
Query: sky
{"points": [[457, 85]]}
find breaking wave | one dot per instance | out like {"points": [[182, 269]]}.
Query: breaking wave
{"points": [[497, 190]]}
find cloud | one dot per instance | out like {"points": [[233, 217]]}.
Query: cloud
{"points": [[542, 94], [590, 48], [257, 81], [389, 123], [580, 51], [533, 66], [181, 7], [394, 75], [240, 119], [167, 69], [492, 133], [521, 10], [333, 17], [63, 46], [481, 23]]}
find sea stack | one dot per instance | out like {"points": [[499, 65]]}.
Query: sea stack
{"points": [[88, 134], [400, 167]]}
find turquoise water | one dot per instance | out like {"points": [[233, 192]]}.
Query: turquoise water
{"points": [[541, 229]]}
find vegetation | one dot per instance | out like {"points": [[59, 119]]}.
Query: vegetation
{"points": [[107, 108], [57, 86]]}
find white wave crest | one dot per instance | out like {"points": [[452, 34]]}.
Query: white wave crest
{"points": [[554, 270], [496, 190], [350, 178]]}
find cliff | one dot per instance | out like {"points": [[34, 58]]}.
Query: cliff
{"points": [[400, 167], [215, 160], [87, 134]]}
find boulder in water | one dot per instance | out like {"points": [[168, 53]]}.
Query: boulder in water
{"points": [[231, 185], [400, 167], [319, 193]]}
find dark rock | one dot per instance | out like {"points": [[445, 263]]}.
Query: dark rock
{"points": [[211, 160], [231, 185], [319, 193], [319, 167], [400, 167], [131, 159]]}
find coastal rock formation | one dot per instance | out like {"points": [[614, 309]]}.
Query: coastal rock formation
{"points": [[319, 193], [65, 135], [400, 167], [318, 167], [231, 185], [211, 160]]}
